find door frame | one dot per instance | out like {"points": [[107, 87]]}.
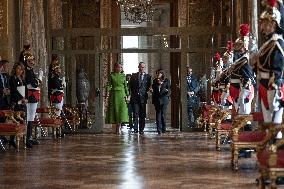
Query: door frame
{"points": [[182, 32]]}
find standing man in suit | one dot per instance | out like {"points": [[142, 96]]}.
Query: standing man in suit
{"points": [[139, 85], [160, 99], [4, 85], [192, 100]]}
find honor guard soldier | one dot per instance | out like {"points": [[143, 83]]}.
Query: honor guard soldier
{"points": [[271, 66], [54, 61], [33, 86], [224, 80], [26, 50], [228, 55], [57, 84], [242, 76], [217, 70]]}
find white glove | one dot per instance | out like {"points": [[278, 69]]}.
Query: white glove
{"points": [[224, 97], [276, 100], [40, 74], [63, 82]]}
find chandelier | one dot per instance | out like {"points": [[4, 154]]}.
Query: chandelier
{"points": [[137, 11]]}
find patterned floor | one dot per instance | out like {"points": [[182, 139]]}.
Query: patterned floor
{"points": [[126, 161]]}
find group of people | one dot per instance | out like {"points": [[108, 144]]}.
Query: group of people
{"points": [[235, 75], [127, 98], [20, 90]]}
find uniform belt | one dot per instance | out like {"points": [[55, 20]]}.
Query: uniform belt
{"points": [[235, 81], [264, 75], [53, 91], [222, 87], [29, 86]]}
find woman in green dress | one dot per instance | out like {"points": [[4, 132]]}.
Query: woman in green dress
{"points": [[117, 93]]}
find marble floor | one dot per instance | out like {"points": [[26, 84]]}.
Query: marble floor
{"points": [[126, 161]]}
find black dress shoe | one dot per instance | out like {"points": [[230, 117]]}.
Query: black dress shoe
{"points": [[135, 131], [28, 144], [4, 139], [159, 132], [13, 144], [280, 181], [141, 132], [34, 142]]}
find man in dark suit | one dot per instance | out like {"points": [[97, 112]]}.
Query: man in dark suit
{"points": [[4, 85], [4, 94], [192, 99], [139, 85], [160, 99]]}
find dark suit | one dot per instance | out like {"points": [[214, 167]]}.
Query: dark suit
{"points": [[4, 99], [192, 100], [139, 96], [160, 99]]}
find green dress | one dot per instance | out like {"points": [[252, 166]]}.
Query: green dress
{"points": [[117, 111]]}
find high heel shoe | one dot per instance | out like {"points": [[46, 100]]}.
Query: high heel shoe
{"points": [[13, 144]]}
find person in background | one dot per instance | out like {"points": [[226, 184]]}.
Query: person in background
{"points": [[18, 92], [192, 100], [160, 99], [139, 85], [26, 50], [130, 109], [4, 85], [271, 67], [118, 95], [4, 93], [57, 84], [33, 83]]}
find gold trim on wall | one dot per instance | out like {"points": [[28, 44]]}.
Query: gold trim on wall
{"points": [[3, 18]]}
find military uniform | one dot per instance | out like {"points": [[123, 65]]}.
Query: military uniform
{"points": [[226, 99], [57, 83], [240, 90], [33, 96], [270, 75], [216, 93]]}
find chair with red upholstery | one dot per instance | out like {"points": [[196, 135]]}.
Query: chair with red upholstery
{"points": [[270, 155], [222, 128], [245, 139], [203, 119], [71, 116], [212, 119], [48, 118], [14, 125]]}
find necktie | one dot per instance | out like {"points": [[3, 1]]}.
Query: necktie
{"points": [[3, 81], [140, 78]]}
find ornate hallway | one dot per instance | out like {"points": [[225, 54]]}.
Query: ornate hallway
{"points": [[126, 161]]}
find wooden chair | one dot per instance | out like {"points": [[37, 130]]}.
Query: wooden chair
{"points": [[14, 125], [48, 119], [203, 119], [211, 121], [71, 116], [222, 128], [245, 139], [270, 155]]}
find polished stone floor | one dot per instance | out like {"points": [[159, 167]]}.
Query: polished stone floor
{"points": [[126, 161]]}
